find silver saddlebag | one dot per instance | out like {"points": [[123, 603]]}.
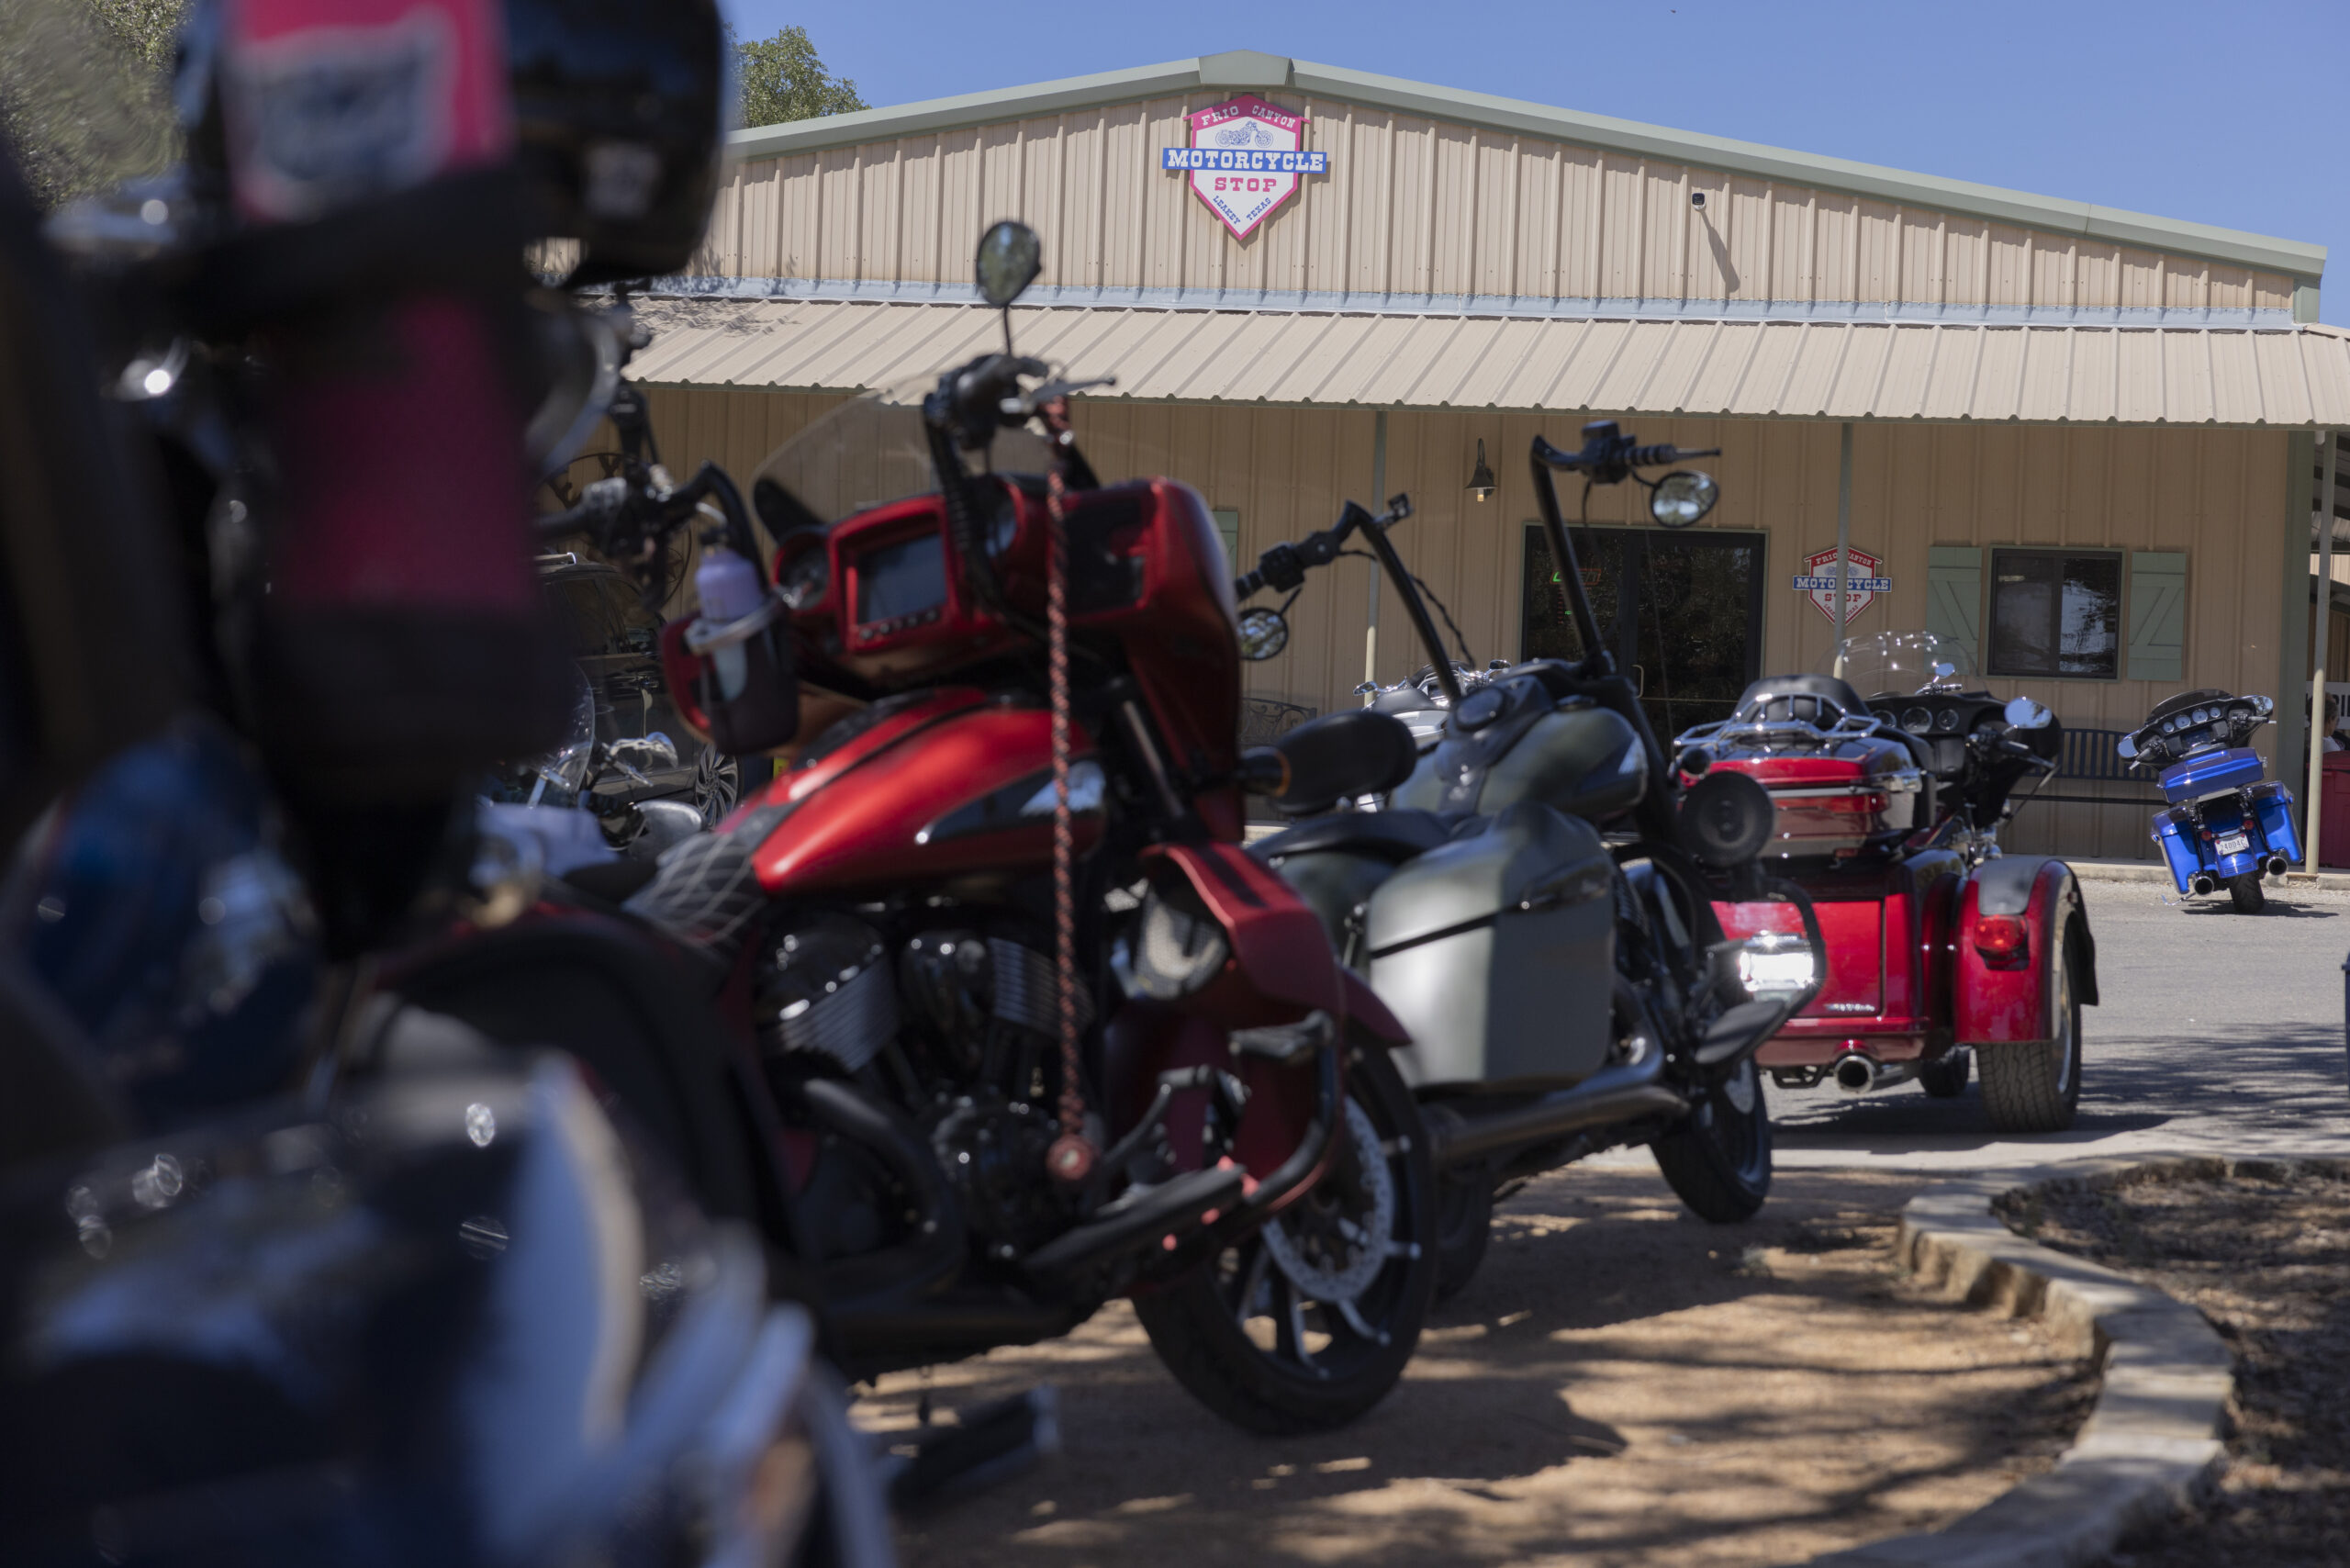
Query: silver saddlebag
{"points": [[1497, 952]]}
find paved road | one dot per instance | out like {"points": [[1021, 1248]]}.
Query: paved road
{"points": [[2217, 1032]]}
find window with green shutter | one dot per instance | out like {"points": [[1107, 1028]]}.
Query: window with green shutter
{"points": [[2157, 615], [1954, 596], [1227, 523]]}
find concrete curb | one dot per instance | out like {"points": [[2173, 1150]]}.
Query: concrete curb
{"points": [[2150, 1445]]}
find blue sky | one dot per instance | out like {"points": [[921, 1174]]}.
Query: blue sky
{"points": [[2218, 114]]}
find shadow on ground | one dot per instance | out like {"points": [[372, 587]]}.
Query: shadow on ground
{"points": [[1620, 1384]]}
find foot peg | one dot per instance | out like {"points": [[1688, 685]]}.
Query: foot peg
{"points": [[989, 1443]]}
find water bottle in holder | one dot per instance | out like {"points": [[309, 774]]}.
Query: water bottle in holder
{"points": [[732, 666]]}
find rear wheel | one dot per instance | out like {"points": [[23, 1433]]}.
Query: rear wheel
{"points": [[2247, 893], [2034, 1087], [1308, 1323], [1718, 1158], [1464, 1219], [1944, 1078]]}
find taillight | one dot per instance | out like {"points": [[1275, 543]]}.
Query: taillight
{"points": [[2004, 941]]}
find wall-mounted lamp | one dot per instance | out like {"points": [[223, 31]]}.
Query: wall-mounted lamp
{"points": [[1481, 478]]}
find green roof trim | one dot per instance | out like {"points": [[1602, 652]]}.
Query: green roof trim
{"points": [[1248, 68]]}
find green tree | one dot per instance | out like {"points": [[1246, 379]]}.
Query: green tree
{"points": [[84, 100], [781, 79]]}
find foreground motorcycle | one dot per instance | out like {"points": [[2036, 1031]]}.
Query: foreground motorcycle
{"points": [[1535, 900], [1038, 1033], [2227, 822], [1943, 953]]}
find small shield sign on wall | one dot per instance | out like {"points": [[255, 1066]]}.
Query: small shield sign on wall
{"points": [[1245, 159], [1817, 582]]}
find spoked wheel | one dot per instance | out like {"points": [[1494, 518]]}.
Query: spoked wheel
{"points": [[1718, 1158], [2250, 898], [1308, 1323], [1464, 1219], [718, 784], [2034, 1086]]}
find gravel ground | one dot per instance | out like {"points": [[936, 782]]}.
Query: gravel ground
{"points": [[1620, 1384], [2268, 1262]]}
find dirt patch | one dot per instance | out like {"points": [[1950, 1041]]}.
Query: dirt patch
{"points": [[1620, 1384], [2267, 1259]]}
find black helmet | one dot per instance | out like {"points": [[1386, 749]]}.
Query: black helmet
{"points": [[460, 1320], [620, 109]]}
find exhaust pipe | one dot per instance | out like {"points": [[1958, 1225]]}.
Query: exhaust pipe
{"points": [[1856, 1074], [1463, 1130], [2202, 884], [2276, 866]]}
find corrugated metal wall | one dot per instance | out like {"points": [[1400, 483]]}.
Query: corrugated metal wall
{"points": [[1412, 205], [2216, 495]]}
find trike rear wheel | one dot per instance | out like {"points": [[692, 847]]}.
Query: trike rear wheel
{"points": [[2034, 1086]]}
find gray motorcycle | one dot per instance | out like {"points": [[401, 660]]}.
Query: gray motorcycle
{"points": [[1530, 890]]}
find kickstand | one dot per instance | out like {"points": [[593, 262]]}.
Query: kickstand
{"points": [[987, 1444]]}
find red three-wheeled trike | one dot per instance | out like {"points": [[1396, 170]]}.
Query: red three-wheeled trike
{"points": [[1940, 950]]}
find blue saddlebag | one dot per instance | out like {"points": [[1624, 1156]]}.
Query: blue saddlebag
{"points": [[2273, 804], [2178, 850]]}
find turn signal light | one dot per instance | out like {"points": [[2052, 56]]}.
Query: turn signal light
{"points": [[2004, 941]]}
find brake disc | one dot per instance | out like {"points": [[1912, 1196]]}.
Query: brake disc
{"points": [[1304, 1240]]}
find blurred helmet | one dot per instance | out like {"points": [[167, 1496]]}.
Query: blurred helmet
{"points": [[619, 110]]}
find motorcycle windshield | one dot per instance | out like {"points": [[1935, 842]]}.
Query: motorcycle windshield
{"points": [[1905, 662], [871, 451]]}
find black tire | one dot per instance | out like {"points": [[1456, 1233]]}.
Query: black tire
{"points": [[1201, 1325], [2036, 1086], [2250, 899], [1944, 1078], [1464, 1219], [1718, 1158]]}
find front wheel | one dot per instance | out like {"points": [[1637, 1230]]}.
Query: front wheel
{"points": [[1464, 1219], [1308, 1323], [2247, 893], [1718, 1158]]}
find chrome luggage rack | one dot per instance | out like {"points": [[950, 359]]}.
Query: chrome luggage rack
{"points": [[1804, 733]]}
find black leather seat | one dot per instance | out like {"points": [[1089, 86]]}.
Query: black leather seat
{"points": [[1803, 697], [1396, 836]]}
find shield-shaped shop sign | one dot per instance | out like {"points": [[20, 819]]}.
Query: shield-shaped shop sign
{"points": [[1817, 581], [1245, 159]]}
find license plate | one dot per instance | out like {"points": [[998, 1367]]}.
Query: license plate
{"points": [[1774, 971], [2235, 843]]}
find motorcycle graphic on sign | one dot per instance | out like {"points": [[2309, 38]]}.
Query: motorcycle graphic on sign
{"points": [[1245, 159], [1817, 581]]}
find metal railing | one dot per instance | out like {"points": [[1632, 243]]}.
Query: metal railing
{"points": [[2088, 757], [1264, 720]]}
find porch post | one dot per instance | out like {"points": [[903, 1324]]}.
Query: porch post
{"points": [[1843, 539], [2312, 808], [1378, 502]]}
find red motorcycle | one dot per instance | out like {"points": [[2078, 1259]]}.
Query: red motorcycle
{"points": [[1035, 1032], [1942, 952]]}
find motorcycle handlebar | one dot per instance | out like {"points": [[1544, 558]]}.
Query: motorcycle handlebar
{"points": [[1285, 565]]}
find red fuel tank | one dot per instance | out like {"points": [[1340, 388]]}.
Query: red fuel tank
{"points": [[920, 790]]}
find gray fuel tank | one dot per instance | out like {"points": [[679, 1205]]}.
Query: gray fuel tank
{"points": [[1572, 756], [1497, 952]]}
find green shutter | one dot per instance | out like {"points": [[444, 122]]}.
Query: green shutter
{"points": [[1954, 596], [1227, 523], [2157, 615]]}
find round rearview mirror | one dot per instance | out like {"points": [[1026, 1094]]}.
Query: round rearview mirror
{"points": [[1010, 258], [1263, 635], [2126, 746], [2023, 713], [2262, 707], [1681, 498]]}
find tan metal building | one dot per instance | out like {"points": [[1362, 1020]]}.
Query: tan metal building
{"points": [[2080, 439]]}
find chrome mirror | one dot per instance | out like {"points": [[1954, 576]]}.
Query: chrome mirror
{"points": [[1263, 635], [1681, 498], [2127, 745], [1010, 258], [2023, 713]]}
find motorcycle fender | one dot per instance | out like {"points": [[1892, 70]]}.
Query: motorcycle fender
{"points": [[1145, 1039], [1281, 967], [1993, 1004]]}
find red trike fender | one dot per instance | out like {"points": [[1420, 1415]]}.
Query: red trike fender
{"points": [[2012, 913]]}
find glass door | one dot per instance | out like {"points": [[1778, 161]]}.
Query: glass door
{"points": [[1682, 610]]}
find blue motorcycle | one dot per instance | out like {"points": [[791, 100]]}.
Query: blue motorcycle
{"points": [[2226, 822]]}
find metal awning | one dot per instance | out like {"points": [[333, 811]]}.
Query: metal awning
{"points": [[2294, 378]]}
